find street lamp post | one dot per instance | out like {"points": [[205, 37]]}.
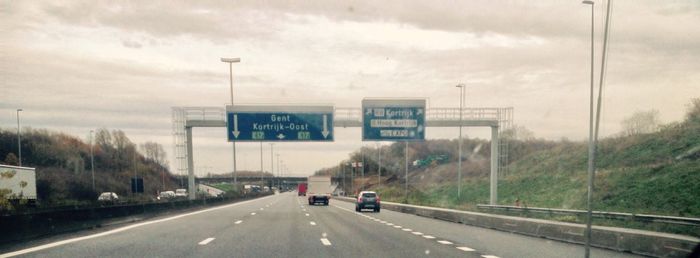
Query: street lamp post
{"points": [[591, 146], [379, 167], [19, 139], [92, 160], [230, 62], [459, 155]]}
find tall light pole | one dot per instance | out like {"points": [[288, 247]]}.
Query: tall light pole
{"points": [[379, 168], [591, 147], [19, 138], [230, 62], [362, 186], [278, 171], [262, 180], [405, 165], [92, 160], [459, 155]]}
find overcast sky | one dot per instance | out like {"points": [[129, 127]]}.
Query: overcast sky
{"points": [[79, 65]]}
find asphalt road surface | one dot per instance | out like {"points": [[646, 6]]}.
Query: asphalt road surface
{"points": [[285, 225]]}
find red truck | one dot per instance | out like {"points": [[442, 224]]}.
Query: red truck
{"points": [[301, 189]]}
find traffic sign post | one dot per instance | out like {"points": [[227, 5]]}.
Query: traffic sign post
{"points": [[279, 123], [393, 119]]}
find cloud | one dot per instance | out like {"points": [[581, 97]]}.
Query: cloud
{"points": [[131, 44], [76, 66]]}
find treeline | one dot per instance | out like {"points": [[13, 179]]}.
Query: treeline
{"points": [[63, 164], [476, 155]]}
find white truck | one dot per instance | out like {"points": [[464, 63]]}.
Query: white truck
{"points": [[17, 183], [319, 189]]}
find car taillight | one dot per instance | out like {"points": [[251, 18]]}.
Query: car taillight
{"points": [[377, 198], [359, 200]]}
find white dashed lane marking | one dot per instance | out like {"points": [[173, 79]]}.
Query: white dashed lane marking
{"points": [[444, 242], [206, 241], [312, 223], [466, 249], [306, 214], [489, 256], [252, 213], [325, 241], [238, 221]]}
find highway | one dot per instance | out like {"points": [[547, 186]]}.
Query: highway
{"points": [[284, 225]]}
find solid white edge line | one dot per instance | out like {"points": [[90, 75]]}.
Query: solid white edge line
{"points": [[206, 241], [466, 249], [117, 230], [489, 256], [325, 241]]}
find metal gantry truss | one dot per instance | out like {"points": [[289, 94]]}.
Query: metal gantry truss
{"points": [[499, 119]]}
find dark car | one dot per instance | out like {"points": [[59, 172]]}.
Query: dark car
{"points": [[367, 200]]}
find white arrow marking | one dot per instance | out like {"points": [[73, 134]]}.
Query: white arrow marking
{"points": [[325, 126], [235, 126]]}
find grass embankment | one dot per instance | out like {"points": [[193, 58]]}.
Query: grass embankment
{"points": [[656, 173]]}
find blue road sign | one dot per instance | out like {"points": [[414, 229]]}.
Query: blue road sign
{"points": [[279, 123], [393, 120]]}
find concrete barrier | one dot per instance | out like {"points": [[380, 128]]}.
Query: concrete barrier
{"points": [[620, 239]]}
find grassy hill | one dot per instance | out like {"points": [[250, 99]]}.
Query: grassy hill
{"points": [[653, 173]]}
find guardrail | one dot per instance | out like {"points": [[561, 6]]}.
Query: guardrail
{"points": [[685, 221], [620, 239]]}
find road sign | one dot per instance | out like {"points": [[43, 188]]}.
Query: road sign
{"points": [[393, 119], [279, 123]]}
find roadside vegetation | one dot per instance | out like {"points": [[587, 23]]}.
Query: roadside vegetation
{"points": [[63, 172], [643, 169]]}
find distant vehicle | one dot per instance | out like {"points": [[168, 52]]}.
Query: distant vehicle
{"points": [[21, 181], [166, 195], [319, 189], [301, 189], [109, 197], [252, 189], [181, 193], [367, 200]]}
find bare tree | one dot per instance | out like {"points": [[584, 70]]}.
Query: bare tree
{"points": [[103, 138], [519, 132], [641, 122], [154, 152], [693, 110]]}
